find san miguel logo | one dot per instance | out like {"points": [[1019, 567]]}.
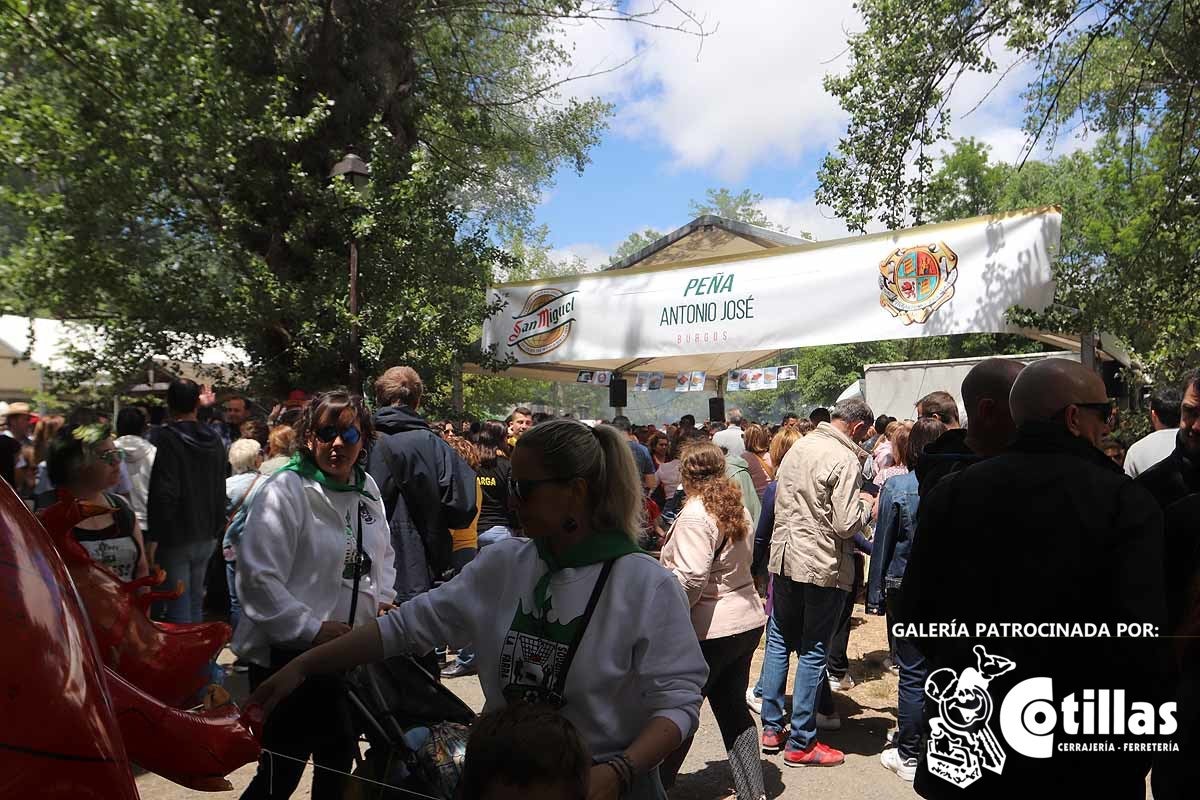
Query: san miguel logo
{"points": [[916, 281], [544, 322]]}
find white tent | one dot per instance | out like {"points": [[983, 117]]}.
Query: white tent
{"points": [[720, 314]]}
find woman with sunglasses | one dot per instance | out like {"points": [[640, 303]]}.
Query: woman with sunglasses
{"points": [[314, 562], [575, 616], [84, 464]]}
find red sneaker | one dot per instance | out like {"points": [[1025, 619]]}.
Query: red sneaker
{"points": [[818, 755], [773, 741]]}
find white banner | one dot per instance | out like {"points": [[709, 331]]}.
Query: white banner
{"points": [[957, 277]]}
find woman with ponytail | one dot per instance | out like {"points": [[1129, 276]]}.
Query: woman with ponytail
{"points": [[575, 616], [709, 550]]}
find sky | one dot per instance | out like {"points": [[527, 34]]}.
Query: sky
{"points": [[745, 110]]}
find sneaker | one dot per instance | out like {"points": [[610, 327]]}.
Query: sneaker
{"points": [[753, 702], [828, 723], [843, 684], [457, 670], [892, 736], [773, 741], [906, 768], [817, 755]]}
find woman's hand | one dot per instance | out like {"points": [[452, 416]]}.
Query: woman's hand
{"points": [[603, 783], [272, 691]]}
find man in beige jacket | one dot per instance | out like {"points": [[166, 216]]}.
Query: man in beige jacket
{"points": [[819, 507]]}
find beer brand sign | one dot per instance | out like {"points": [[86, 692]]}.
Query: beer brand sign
{"points": [[936, 280], [544, 321]]}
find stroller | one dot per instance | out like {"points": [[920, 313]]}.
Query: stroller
{"points": [[416, 731]]}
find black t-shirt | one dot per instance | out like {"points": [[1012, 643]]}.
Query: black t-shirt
{"points": [[10, 451], [493, 481]]}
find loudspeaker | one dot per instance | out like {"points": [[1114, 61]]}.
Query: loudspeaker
{"points": [[716, 408], [617, 397]]}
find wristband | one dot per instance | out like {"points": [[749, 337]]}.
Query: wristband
{"points": [[621, 765]]}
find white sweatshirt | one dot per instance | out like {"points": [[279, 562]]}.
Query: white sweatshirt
{"points": [[639, 657], [291, 560]]}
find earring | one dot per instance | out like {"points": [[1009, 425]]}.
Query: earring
{"points": [[570, 525]]}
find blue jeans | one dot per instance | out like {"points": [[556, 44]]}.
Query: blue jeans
{"points": [[806, 616], [914, 669], [497, 533], [235, 605], [772, 680], [188, 563]]}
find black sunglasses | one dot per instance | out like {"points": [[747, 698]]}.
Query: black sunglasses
{"points": [[523, 488], [1106, 410], [329, 433]]}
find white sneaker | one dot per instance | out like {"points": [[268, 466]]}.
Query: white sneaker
{"points": [[752, 702], [842, 684], [905, 768], [830, 723]]}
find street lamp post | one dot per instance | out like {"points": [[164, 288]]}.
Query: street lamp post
{"points": [[359, 173]]}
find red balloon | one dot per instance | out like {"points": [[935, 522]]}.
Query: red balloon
{"points": [[58, 735]]}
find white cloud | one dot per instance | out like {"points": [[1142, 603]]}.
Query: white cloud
{"points": [[594, 255]]}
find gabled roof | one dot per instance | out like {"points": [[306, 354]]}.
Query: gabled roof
{"points": [[762, 237]]}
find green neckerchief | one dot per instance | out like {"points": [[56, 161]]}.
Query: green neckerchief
{"points": [[307, 468], [600, 546]]}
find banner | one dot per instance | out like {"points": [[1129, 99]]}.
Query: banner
{"points": [[956, 277]]}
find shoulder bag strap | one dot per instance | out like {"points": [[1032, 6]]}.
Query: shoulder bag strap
{"points": [[357, 568], [560, 683], [233, 514]]}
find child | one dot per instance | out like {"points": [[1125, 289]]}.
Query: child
{"points": [[525, 752]]}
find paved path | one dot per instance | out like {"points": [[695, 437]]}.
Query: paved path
{"points": [[868, 712]]}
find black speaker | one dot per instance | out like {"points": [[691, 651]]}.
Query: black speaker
{"points": [[617, 393], [716, 408]]}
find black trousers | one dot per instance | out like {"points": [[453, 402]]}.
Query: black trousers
{"points": [[839, 662], [313, 722], [728, 660]]}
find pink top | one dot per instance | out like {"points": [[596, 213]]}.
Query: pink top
{"points": [[714, 571]]}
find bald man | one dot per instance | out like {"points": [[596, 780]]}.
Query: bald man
{"points": [[989, 424], [1047, 531]]}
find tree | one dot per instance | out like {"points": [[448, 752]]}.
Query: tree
{"points": [[176, 160], [633, 243], [741, 207], [1125, 72]]}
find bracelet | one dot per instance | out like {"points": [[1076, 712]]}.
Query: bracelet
{"points": [[621, 765]]}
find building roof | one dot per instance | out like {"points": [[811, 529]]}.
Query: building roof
{"points": [[753, 237]]}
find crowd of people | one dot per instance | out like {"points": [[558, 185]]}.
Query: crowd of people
{"points": [[604, 580]]}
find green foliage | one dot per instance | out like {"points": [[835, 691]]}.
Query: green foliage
{"points": [[742, 207], [174, 161], [633, 243], [1125, 72]]}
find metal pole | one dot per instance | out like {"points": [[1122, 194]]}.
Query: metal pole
{"points": [[355, 381], [1087, 350]]}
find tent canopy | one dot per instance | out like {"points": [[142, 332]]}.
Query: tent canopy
{"points": [[729, 312]]}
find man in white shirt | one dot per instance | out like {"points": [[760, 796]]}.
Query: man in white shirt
{"points": [[1154, 447], [730, 439]]}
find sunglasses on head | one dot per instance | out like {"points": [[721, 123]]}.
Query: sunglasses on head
{"points": [[329, 433], [523, 488]]}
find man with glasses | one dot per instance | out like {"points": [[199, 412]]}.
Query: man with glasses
{"points": [[1048, 531], [185, 506]]}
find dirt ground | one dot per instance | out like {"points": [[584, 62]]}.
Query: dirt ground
{"points": [[868, 712]]}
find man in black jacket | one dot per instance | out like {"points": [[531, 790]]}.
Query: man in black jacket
{"points": [[1050, 531], [1178, 475], [989, 422], [427, 488], [185, 509]]}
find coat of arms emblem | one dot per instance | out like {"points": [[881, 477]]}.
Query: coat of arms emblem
{"points": [[916, 281]]}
